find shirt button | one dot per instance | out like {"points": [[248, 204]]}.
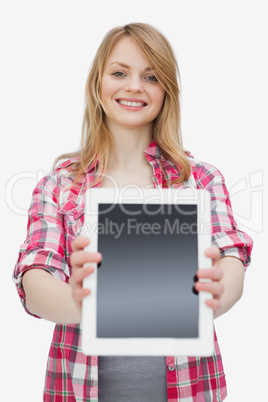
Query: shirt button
{"points": [[171, 367]]}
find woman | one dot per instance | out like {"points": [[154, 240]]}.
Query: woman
{"points": [[131, 135]]}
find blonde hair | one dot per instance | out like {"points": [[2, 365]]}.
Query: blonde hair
{"points": [[97, 140]]}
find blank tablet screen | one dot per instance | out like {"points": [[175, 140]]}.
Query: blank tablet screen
{"points": [[145, 281]]}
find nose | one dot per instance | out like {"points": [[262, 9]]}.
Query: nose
{"points": [[134, 84]]}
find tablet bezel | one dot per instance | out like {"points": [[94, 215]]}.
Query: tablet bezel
{"points": [[201, 346]]}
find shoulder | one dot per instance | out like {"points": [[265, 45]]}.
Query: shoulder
{"points": [[204, 173], [66, 168], [58, 180]]}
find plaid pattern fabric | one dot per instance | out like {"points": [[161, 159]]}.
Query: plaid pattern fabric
{"points": [[56, 216]]}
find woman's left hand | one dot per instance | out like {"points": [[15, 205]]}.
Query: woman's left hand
{"points": [[215, 274]]}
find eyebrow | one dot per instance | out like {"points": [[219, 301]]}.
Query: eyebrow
{"points": [[128, 67]]}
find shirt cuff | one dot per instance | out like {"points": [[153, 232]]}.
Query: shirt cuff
{"points": [[43, 259]]}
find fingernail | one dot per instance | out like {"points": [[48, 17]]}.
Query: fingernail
{"points": [[195, 292], [99, 263]]}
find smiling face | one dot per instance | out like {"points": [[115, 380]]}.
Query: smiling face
{"points": [[130, 93]]}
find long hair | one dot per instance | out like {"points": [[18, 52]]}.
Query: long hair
{"points": [[96, 139]]}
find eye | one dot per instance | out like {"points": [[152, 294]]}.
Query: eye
{"points": [[118, 74], [151, 78]]}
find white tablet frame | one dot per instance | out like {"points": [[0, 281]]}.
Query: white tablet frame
{"points": [[201, 346]]}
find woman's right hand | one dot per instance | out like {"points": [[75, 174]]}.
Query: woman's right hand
{"points": [[78, 258]]}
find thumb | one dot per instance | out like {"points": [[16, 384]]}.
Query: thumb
{"points": [[214, 253]]}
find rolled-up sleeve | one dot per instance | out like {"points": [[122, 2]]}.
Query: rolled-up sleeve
{"points": [[225, 234], [44, 246]]}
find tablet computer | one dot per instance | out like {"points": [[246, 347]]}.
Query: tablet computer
{"points": [[152, 242]]}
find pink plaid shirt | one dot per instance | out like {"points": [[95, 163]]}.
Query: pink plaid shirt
{"points": [[55, 217]]}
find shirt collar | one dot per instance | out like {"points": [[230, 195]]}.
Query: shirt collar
{"points": [[153, 150]]}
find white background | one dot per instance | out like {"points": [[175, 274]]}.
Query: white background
{"points": [[46, 51]]}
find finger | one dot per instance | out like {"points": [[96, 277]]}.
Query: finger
{"points": [[79, 243], [81, 257], [79, 275], [79, 294], [214, 253], [214, 304], [215, 288], [214, 273]]}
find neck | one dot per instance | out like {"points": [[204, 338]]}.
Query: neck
{"points": [[128, 148]]}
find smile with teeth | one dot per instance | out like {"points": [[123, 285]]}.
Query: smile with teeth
{"points": [[133, 104]]}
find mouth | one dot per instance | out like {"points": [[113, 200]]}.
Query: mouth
{"points": [[131, 103]]}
